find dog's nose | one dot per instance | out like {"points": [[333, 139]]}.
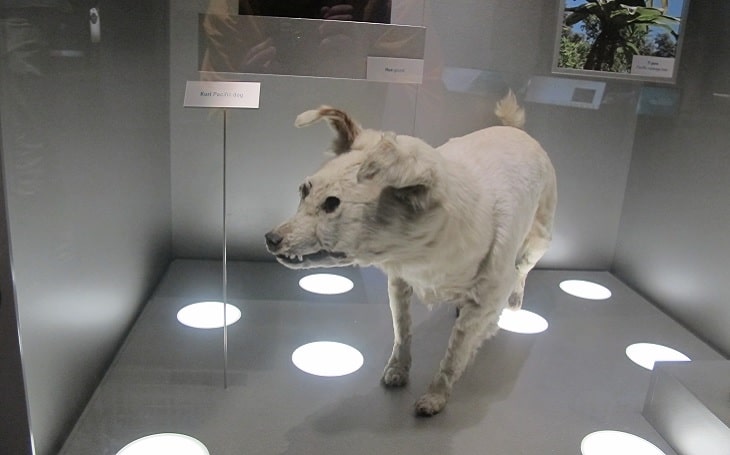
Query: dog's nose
{"points": [[273, 240]]}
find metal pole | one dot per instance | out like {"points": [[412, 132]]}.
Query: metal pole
{"points": [[225, 258]]}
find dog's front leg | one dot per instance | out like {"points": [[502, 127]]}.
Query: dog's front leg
{"points": [[474, 324], [399, 364]]}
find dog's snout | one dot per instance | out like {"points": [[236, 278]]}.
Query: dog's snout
{"points": [[273, 240]]}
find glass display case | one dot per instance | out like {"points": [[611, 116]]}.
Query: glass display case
{"points": [[138, 187]]}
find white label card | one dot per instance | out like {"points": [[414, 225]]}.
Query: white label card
{"points": [[241, 95], [391, 69], [645, 65]]}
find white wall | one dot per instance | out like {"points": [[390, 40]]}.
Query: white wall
{"points": [[673, 244]]}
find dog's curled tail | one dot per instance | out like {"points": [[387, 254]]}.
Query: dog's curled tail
{"points": [[509, 112]]}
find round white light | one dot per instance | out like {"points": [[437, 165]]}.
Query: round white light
{"points": [[326, 283], [585, 289], [155, 444], [208, 315], [645, 354], [522, 321], [327, 358], [608, 442]]}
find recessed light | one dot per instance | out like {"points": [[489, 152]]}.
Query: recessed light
{"points": [[327, 358], [609, 442], [585, 289], [645, 354], [155, 444], [208, 315], [326, 283], [522, 321]]}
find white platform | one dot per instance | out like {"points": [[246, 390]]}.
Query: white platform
{"points": [[525, 394], [689, 405]]}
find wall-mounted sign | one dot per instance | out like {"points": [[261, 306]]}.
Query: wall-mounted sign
{"points": [[629, 39], [242, 95]]}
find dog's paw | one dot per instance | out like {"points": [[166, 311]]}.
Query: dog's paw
{"points": [[395, 376], [430, 404], [515, 300]]}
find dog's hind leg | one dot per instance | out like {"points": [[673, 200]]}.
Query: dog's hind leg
{"points": [[534, 247], [474, 324], [399, 364]]}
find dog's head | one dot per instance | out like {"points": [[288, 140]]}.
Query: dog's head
{"points": [[359, 205]]}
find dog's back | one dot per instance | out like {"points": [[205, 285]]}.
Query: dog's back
{"points": [[505, 161], [513, 179]]}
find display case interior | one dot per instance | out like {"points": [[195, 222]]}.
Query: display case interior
{"points": [[124, 204]]}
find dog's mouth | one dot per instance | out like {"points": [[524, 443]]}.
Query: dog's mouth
{"points": [[322, 257]]}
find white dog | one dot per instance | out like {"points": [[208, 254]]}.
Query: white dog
{"points": [[460, 224]]}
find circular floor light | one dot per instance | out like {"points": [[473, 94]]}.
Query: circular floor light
{"points": [[326, 283], [327, 358], [208, 315], [522, 321], [608, 442], [585, 289], [645, 354], [156, 444]]}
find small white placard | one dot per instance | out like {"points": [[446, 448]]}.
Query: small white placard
{"points": [[645, 65], [242, 95], [391, 69], [565, 92]]}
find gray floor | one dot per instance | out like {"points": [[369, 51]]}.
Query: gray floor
{"points": [[525, 394]]}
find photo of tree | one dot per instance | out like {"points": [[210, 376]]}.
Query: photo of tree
{"points": [[607, 35]]}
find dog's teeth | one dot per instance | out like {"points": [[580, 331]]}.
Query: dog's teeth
{"points": [[300, 258]]}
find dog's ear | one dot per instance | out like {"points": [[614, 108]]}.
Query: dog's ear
{"points": [[380, 161], [391, 164], [345, 127], [407, 181]]}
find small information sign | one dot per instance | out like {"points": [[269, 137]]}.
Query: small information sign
{"points": [[242, 95], [391, 69]]}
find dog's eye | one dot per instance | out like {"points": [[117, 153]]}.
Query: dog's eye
{"points": [[330, 204]]}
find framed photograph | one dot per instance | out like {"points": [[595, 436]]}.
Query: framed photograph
{"points": [[625, 39]]}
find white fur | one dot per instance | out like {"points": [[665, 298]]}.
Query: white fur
{"points": [[462, 224]]}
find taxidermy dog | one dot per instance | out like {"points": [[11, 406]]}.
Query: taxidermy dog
{"points": [[461, 224]]}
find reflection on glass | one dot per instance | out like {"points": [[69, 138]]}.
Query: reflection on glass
{"points": [[338, 10], [329, 38], [41, 44]]}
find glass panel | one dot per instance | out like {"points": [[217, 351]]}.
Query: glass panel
{"points": [[301, 47], [126, 207], [86, 154]]}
